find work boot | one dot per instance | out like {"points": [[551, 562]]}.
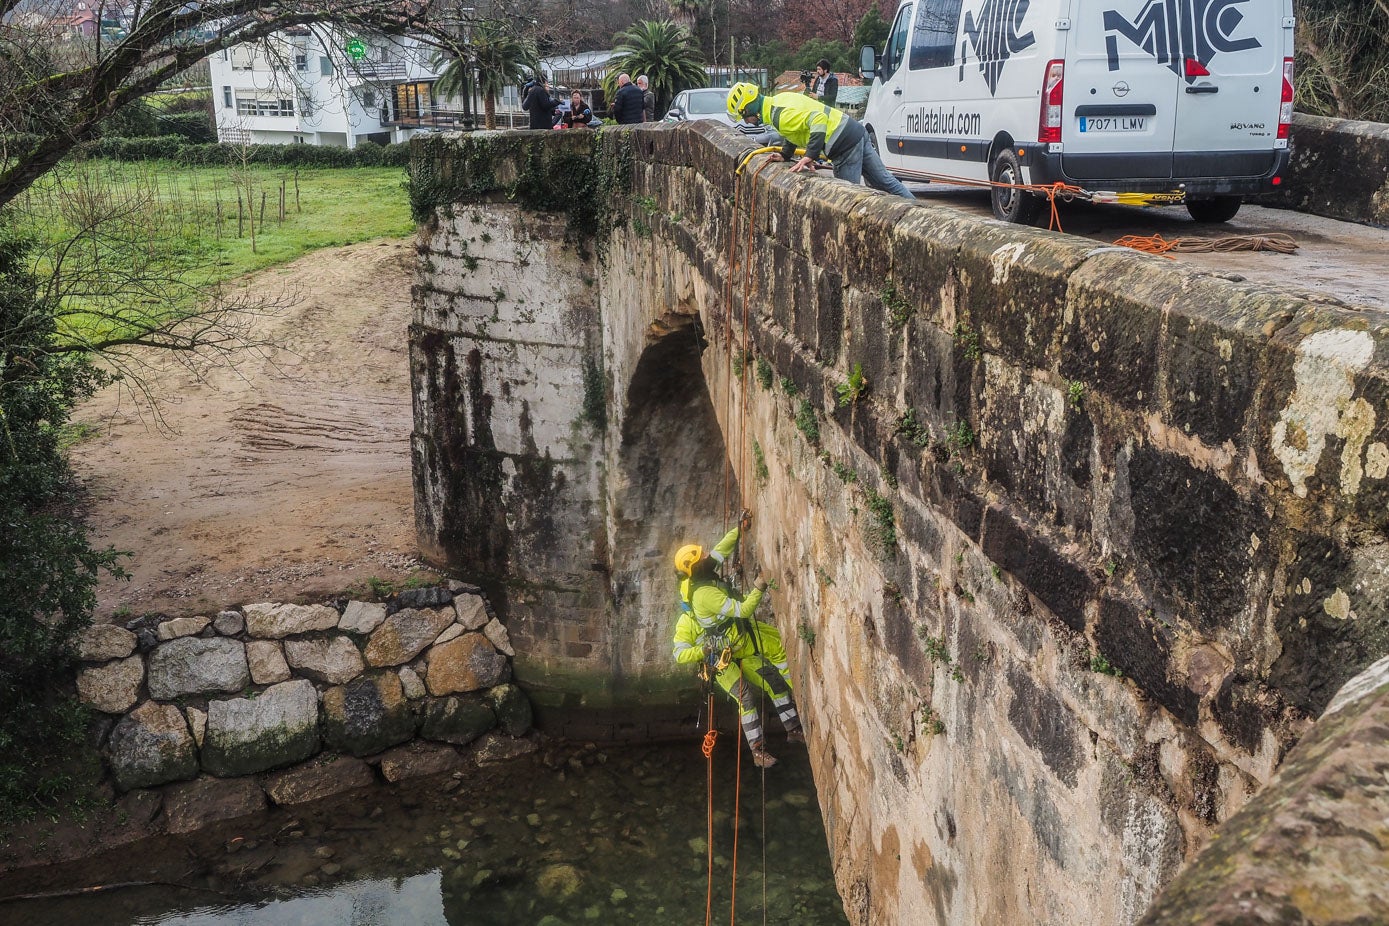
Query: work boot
{"points": [[761, 757], [795, 736]]}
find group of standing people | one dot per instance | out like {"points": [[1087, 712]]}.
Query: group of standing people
{"points": [[635, 102]]}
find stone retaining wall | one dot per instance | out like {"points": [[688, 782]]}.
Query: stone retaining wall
{"points": [[1340, 169], [370, 689]]}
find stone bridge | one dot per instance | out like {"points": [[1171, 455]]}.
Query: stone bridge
{"points": [[1070, 544]]}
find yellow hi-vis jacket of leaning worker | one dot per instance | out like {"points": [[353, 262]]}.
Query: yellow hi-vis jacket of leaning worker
{"points": [[709, 614], [804, 123]]}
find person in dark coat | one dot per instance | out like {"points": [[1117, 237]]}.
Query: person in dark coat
{"points": [[826, 86], [628, 106], [648, 99], [541, 106], [579, 113]]}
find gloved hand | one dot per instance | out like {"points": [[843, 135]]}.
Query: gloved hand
{"points": [[760, 583], [745, 521]]}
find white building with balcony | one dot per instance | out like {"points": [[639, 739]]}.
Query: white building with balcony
{"points": [[322, 86]]}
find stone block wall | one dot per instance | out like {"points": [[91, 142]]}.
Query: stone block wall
{"points": [[361, 688], [1062, 582], [1340, 169]]}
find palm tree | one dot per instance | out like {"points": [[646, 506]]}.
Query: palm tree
{"points": [[501, 58], [662, 50], [686, 12]]}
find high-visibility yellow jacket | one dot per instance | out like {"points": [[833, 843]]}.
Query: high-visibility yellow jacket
{"points": [[806, 123], [709, 614]]}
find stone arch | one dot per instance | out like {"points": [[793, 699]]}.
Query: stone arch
{"points": [[667, 488]]}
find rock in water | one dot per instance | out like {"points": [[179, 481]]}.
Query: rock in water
{"points": [[367, 715], [512, 707], [150, 746], [278, 727], [457, 720]]}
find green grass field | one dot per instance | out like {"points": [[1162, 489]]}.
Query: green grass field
{"points": [[139, 245], [170, 209]]}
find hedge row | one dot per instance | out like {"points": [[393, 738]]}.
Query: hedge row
{"points": [[177, 148]]}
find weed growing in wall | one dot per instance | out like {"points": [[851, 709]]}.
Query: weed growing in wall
{"points": [[764, 373], [967, 340], [1075, 392], [931, 724], [913, 430], [852, 389], [806, 633], [759, 463], [882, 527], [595, 408], [740, 362], [825, 578], [1103, 666], [899, 310], [806, 423], [960, 437], [788, 385]]}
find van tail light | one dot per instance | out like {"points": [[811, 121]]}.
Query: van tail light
{"points": [[1195, 68], [1285, 112], [1049, 124]]}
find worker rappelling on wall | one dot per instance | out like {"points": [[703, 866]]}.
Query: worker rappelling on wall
{"points": [[718, 631]]}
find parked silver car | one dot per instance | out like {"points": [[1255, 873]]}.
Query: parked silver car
{"points": [[692, 105]]}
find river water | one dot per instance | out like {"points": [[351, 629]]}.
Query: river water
{"points": [[569, 835]]}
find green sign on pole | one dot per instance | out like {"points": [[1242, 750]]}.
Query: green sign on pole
{"points": [[357, 49]]}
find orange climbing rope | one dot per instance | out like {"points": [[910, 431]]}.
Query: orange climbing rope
{"points": [[710, 736], [1156, 244]]}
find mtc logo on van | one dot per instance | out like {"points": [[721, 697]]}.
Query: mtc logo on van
{"points": [[996, 37], [1174, 30]]}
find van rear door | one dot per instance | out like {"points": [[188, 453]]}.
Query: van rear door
{"points": [[1121, 92], [1227, 118]]}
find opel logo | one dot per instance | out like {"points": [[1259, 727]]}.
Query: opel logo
{"points": [[1121, 88]]}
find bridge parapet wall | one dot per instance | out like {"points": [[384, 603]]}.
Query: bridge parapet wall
{"points": [[1340, 169], [1061, 585]]}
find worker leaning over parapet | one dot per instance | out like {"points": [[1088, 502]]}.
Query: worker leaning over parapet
{"points": [[739, 651], [820, 130]]}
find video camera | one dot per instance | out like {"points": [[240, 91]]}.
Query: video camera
{"points": [[807, 78]]}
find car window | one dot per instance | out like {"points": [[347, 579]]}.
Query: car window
{"points": [[897, 41], [706, 104], [933, 38]]}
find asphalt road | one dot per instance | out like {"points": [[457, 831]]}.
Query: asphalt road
{"points": [[1347, 261]]}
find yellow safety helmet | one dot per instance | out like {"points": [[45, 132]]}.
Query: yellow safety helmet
{"points": [[686, 558], [741, 97]]}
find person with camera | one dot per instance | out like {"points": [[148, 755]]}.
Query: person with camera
{"points": [[541, 105], [823, 84]]}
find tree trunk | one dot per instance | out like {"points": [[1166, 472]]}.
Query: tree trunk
{"points": [[489, 110]]}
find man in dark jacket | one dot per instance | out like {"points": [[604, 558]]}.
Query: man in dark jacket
{"points": [[541, 105], [627, 104], [826, 86]]}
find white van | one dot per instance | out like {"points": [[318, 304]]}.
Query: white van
{"points": [[1187, 100]]}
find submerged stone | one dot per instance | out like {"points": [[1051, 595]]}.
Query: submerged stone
{"points": [[457, 720], [197, 804], [316, 780], [512, 707]]}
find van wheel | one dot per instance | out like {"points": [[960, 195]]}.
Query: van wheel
{"points": [[1011, 205], [1220, 209]]}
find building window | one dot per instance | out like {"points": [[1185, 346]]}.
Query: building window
{"points": [[301, 61], [325, 66], [368, 98], [226, 98], [259, 107]]}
